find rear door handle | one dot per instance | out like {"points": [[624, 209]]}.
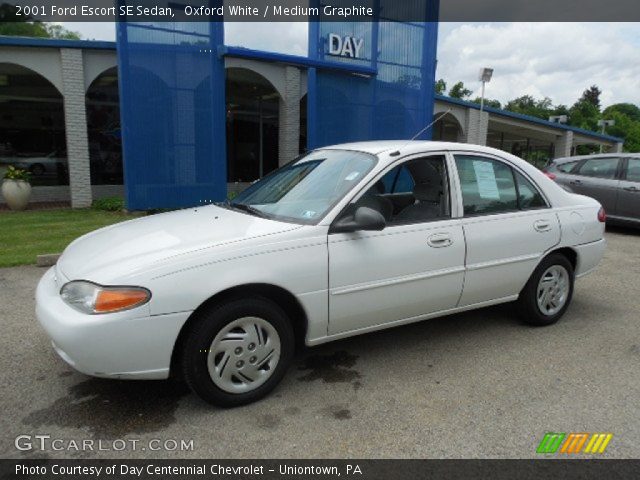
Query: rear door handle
{"points": [[542, 225], [575, 182], [439, 240], [632, 189]]}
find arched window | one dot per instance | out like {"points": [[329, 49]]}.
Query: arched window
{"points": [[103, 124], [32, 126], [253, 109], [446, 129]]}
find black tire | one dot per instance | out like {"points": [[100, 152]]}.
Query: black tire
{"points": [[527, 303], [202, 333]]}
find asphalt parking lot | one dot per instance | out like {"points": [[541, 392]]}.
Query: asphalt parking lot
{"points": [[475, 385]]}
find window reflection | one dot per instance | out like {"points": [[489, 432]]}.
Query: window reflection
{"points": [[32, 128]]}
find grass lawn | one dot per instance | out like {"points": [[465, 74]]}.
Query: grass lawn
{"points": [[24, 235]]}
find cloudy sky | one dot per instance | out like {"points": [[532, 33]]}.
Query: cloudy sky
{"points": [[557, 60]]}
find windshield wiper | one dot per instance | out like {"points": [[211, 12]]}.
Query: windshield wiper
{"points": [[248, 209]]}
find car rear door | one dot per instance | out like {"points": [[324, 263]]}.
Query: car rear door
{"points": [[508, 226], [628, 206], [598, 178]]}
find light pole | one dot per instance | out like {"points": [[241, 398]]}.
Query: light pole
{"points": [[604, 124], [485, 77]]}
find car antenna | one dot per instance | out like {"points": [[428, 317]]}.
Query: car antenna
{"points": [[397, 152]]}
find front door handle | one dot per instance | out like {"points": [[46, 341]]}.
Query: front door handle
{"points": [[542, 225], [439, 240], [632, 189]]}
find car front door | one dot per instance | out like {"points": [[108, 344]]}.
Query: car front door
{"points": [[629, 193], [508, 226], [598, 178], [414, 266]]}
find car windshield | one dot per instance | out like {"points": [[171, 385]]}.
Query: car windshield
{"points": [[304, 190]]}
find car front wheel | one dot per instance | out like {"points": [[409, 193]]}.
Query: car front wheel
{"points": [[236, 353], [548, 293]]}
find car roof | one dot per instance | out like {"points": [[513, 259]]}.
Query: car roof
{"points": [[408, 146], [595, 155]]}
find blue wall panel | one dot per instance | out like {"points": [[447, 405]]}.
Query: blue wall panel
{"points": [[394, 104], [172, 89]]}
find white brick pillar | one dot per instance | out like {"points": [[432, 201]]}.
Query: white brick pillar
{"points": [[289, 127], [617, 148], [563, 145], [476, 127], [75, 116]]}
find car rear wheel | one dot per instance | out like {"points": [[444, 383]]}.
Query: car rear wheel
{"points": [[236, 353], [547, 294]]}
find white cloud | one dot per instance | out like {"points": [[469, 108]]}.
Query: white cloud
{"points": [[558, 60], [282, 37], [93, 30]]}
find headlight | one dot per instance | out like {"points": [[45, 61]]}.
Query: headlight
{"points": [[91, 298]]}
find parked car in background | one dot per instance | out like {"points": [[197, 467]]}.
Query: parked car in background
{"points": [[612, 179], [342, 241], [38, 165]]}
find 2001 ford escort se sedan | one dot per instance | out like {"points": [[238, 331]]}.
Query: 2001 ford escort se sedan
{"points": [[342, 241]]}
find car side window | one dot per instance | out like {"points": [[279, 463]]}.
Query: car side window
{"points": [[488, 186], [529, 197], [398, 180], [414, 192], [633, 170], [566, 167], [599, 167]]}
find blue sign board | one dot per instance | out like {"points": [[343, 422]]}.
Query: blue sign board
{"points": [[172, 90]]}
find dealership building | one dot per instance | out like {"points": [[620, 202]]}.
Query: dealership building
{"points": [[170, 116]]}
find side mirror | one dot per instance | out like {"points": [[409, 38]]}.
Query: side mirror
{"points": [[365, 218]]}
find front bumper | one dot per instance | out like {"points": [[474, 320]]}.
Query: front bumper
{"points": [[130, 344]]}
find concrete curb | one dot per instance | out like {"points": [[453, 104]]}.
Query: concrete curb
{"points": [[47, 260]]}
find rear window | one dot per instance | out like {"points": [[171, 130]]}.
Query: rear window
{"points": [[564, 167]]}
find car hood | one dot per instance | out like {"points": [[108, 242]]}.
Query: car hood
{"points": [[123, 250]]}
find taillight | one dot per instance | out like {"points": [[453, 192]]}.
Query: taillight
{"points": [[602, 215], [552, 176]]}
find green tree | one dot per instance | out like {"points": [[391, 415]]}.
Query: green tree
{"points": [[528, 105], [592, 96], [12, 24], [440, 87], [488, 102], [584, 114], [459, 91], [627, 126], [629, 109]]}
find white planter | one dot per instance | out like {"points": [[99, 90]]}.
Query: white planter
{"points": [[16, 193]]}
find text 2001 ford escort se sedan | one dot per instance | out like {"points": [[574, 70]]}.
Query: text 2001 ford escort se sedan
{"points": [[342, 241]]}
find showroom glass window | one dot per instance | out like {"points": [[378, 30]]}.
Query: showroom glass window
{"points": [[490, 186], [103, 128], [32, 128]]}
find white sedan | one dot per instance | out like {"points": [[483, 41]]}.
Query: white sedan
{"points": [[342, 241]]}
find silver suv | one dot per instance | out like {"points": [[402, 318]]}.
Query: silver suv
{"points": [[613, 179]]}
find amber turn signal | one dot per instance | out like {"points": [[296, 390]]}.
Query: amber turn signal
{"points": [[109, 300]]}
